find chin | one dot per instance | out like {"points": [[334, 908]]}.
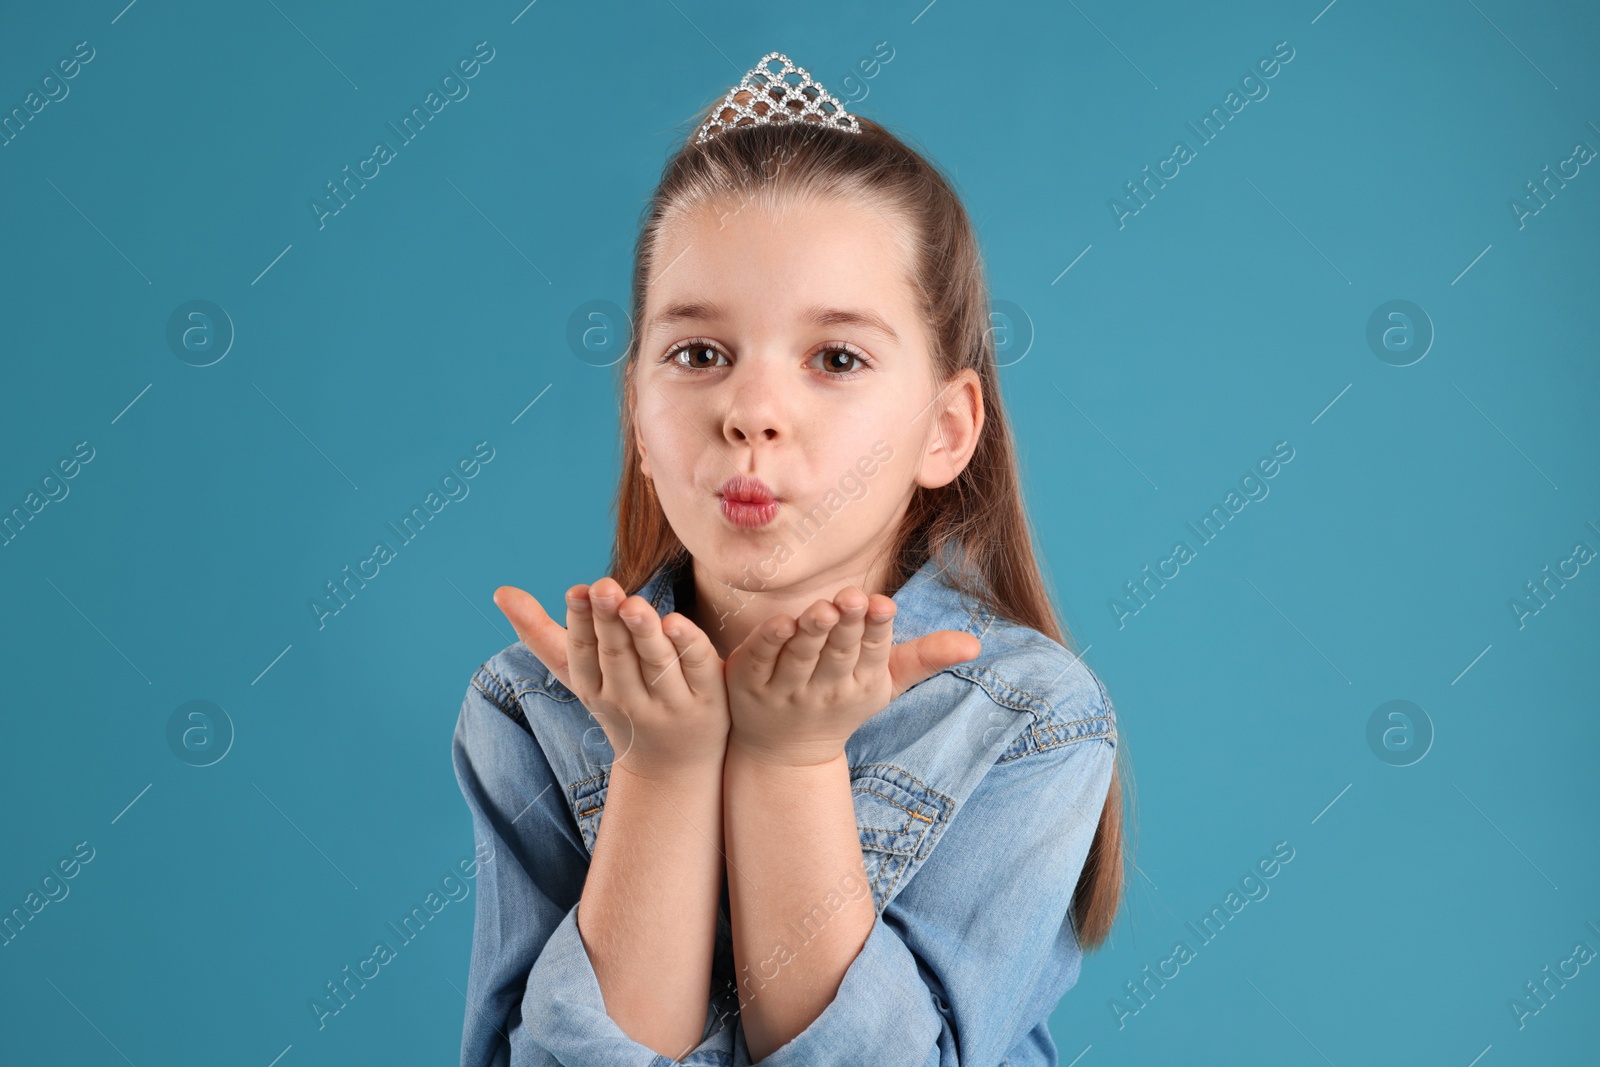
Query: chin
{"points": [[746, 559]]}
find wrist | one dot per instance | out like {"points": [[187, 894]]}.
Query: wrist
{"points": [[814, 757], [760, 791], [682, 774]]}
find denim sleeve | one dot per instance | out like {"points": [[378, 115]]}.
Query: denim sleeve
{"points": [[532, 996], [978, 948]]}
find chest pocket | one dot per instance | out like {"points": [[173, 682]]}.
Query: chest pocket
{"points": [[899, 820]]}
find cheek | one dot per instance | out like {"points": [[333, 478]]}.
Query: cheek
{"points": [[669, 439], [862, 429], [836, 426], [868, 462]]}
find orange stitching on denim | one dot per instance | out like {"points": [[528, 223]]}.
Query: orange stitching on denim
{"points": [[904, 866], [889, 872], [876, 880], [1075, 658], [1110, 737], [492, 698], [484, 674], [542, 685], [1018, 689], [1074, 722], [890, 800], [883, 871], [586, 781], [1003, 701], [1013, 687], [908, 774], [1105, 735]]}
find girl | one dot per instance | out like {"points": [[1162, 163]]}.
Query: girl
{"points": [[860, 802]]}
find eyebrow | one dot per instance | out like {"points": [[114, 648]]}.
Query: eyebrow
{"points": [[816, 315]]}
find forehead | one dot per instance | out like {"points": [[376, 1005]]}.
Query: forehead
{"points": [[760, 265]]}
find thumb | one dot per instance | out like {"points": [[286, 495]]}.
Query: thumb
{"points": [[920, 659], [545, 638]]}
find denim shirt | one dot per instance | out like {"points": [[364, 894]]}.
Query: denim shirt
{"points": [[977, 793]]}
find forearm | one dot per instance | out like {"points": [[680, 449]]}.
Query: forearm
{"points": [[648, 913], [795, 879]]}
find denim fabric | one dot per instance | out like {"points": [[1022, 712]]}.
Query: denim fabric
{"points": [[977, 793]]}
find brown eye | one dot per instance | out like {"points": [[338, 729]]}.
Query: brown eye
{"points": [[837, 362], [700, 356]]}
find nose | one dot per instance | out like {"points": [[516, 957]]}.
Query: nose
{"points": [[756, 401]]}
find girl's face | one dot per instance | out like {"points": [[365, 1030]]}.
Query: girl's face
{"points": [[789, 348]]}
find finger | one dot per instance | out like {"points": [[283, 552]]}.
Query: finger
{"points": [[620, 677], [841, 651], [702, 667], [760, 650], [798, 662], [919, 660], [583, 648], [658, 656], [877, 638], [543, 635]]}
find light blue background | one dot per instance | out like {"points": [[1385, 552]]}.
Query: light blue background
{"points": [[1227, 315]]}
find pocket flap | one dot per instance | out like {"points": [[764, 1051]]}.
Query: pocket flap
{"points": [[899, 820]]}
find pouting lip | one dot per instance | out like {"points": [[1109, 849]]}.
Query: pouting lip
{"points": [[744, 489]]}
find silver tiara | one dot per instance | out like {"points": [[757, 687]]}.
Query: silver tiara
{"points": [[765, 96]]}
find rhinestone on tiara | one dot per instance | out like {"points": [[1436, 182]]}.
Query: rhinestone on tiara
{"points": [[765, 96]]}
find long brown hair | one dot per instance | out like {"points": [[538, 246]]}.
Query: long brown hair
{"points": [[982, 509]]}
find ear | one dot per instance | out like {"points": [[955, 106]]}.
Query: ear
{"points": [[957, 420]]}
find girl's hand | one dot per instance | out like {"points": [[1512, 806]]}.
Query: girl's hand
{"points": [[654, 684], [798, 688]]}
